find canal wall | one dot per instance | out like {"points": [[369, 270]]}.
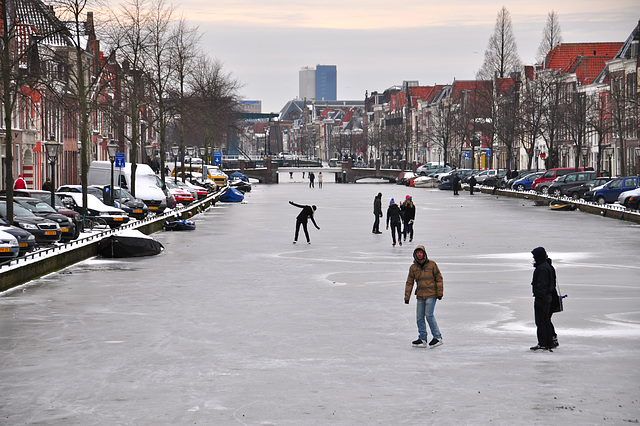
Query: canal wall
{"points": [[614, 211], [35, 265]]}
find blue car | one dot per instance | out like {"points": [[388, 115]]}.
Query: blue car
{"points": [[609, 192], [524, 184]]}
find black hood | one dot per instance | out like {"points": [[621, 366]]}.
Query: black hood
{"points": [[539, 254]]}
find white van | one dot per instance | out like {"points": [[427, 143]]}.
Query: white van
{"points": [[147, 188]]}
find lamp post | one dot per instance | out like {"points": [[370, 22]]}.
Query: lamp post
{"points": [[112, 149], [52, 153], [148, 149], [174, 150], [190, 154], [203, 157]]}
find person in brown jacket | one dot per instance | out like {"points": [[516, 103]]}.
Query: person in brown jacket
{"points": [[428, 279]]}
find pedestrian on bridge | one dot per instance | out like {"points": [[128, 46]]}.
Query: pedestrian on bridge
{"points": [[305, 214]]}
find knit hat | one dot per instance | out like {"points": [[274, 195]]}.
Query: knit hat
{"points": [[392, 201], [408, 197]]}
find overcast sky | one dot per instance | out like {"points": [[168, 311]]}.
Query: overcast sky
{"points": [[377, 44]]}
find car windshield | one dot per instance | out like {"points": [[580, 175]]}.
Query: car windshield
{"points": [[18, 210], [38, 206], [122, 193]]}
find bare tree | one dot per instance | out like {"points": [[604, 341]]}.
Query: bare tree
{"points": [[531, 117], [576, 123], [501, 56], [184, 52], [621, 108], [554, 89], [551, 36], [159, 62], [441, 127], [210, 111], [600, 124], [131, 37], [87, 78]]}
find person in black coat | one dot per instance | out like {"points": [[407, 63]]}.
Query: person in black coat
{"points": [[377, 213], [472, 184], [305, 214], [456, 184], [543, 285], [394, 215]]}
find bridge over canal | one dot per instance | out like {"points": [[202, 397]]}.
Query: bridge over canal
{"points": [[345, 173]]}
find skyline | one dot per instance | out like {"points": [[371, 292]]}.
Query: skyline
{"points": [[265, 44]]}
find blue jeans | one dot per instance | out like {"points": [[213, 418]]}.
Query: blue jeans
{"points": [[424, 309]]}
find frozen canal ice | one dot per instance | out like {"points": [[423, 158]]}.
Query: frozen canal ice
{"points": [[233, 324]]}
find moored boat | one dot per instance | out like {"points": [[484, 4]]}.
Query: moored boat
{"points": [[129, 243], [179, 225], [562, 205]]}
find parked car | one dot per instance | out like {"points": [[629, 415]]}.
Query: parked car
{"points": [[26, 240], [179, 194], [626, 197], [497, 179], [578, 192], [634, 202], [96, 209], [563, 184], [541, 184], [44, 230], [59, 206], [426, 169], [122, 199], [525, 183], [486, 174], [9, 248], [42, 209], [519, 175], [609, 192], [96, 192]]}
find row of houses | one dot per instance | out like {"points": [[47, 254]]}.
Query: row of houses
{"points": [[577, 108]]}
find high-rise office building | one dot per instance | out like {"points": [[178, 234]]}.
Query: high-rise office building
{"points": [[319, 83], [326, 83]]}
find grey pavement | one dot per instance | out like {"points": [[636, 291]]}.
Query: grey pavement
{"points": [[233, 324]]}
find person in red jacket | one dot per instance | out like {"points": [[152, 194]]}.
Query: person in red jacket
{"points": [[20, 183]]}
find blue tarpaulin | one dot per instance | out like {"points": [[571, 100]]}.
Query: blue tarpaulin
{"points": [[232, 195]]}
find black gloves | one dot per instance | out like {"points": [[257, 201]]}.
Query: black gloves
{"points": [[406, 301]]}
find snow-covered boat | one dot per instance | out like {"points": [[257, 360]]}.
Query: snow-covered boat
{"points": [[425, 182], [129, 243], [179, 225], [232, 195], [240, 184]]}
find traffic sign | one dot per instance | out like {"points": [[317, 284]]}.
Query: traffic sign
{"points": [[119, 159], [217, 157]]}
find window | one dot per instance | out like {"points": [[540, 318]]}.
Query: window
{"points": [[570, 178], [616, 184]]}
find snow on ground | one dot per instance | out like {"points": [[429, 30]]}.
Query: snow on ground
{"points": [[233, 324]]}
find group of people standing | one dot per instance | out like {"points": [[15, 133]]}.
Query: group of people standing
{"points": [[400, 217], [312, 179]]}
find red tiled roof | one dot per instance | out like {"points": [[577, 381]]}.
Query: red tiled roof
{"points": [[586, 60]]}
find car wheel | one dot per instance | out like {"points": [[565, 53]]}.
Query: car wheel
{"points": [[520, 187], [601, 200], [575, 195], [545, 190], [557, 192]]}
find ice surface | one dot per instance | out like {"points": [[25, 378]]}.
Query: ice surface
{"points": [[233, 324]]}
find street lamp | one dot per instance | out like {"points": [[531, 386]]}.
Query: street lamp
{"points": [[148, 149], [190, 154], [174, 150], [112, 149], [52, 153]]}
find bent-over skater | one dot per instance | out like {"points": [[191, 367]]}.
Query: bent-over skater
{"points": [[305, 214]]}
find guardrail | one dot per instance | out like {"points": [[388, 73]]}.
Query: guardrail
{"points": [[50, 259]]}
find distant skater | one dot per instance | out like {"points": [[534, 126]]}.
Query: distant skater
{"points": [[305, 214], [320, 180], [394, 215], [377, 213], [429, 288], [408, 217], [312, 178]]}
